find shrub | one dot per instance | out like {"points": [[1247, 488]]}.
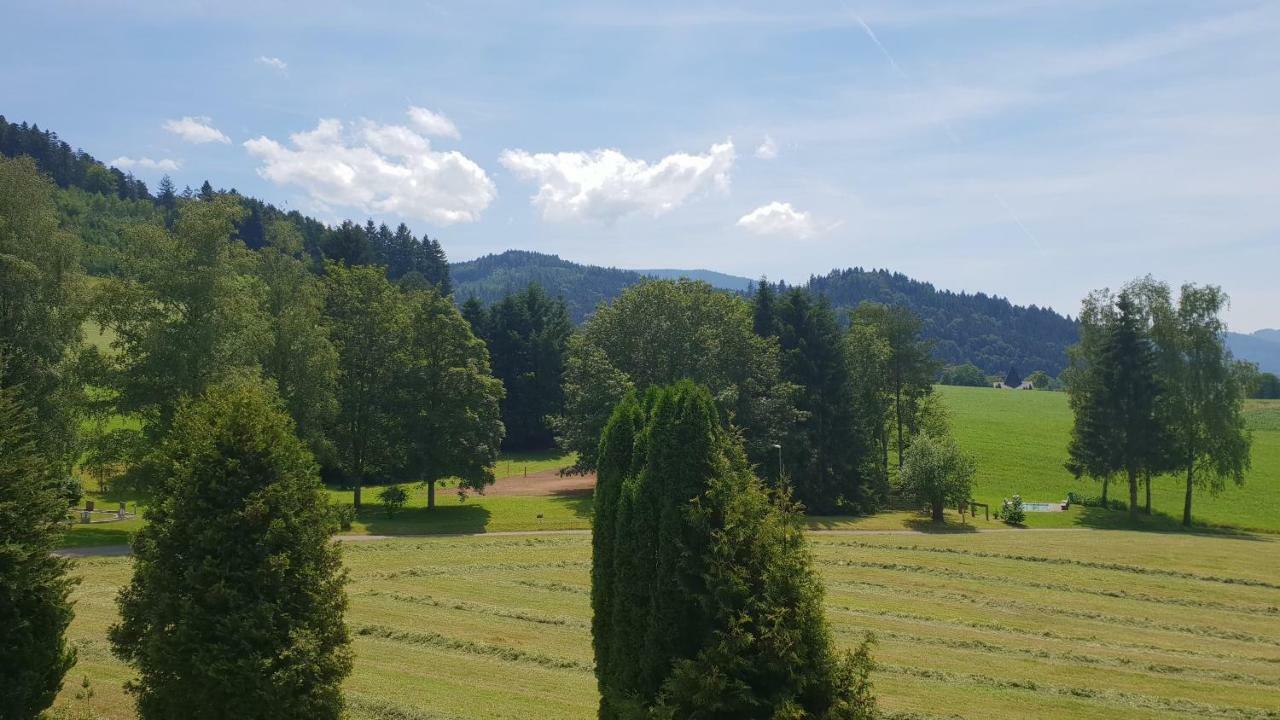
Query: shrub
{"points": [[71, 490], [1011, 511], [344, 515], [393, 498]]}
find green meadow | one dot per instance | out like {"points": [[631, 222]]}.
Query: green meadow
{"points": [[1018, 624], [1019, 439]]}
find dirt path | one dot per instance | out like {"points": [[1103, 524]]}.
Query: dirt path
{"points": [[544, 482]]}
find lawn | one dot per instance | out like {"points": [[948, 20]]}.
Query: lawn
{"points": [[1063, 624], [1019, 439]]}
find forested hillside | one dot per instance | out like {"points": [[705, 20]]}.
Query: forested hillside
{"points": [[100, 203], [988, 331], [493, 277]]}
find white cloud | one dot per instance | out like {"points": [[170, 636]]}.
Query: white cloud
{"points": [[378, 169], [196, 130], [274, 63], [777, 218], [605, 185], [433, 123], [145, 163], [768, 149]]}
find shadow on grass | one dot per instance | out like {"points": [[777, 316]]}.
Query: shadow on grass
{"points": [[581, 502], [925, 524], [1158, 522], [443, 519]]}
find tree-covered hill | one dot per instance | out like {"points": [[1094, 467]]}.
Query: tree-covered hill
{"points": [[493, 277], [988, 331]]}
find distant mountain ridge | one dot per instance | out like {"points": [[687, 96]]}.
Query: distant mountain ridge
{"points": [[1261, 348], [986, 330]]}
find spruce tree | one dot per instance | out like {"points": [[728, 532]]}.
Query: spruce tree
{"points": [[706, 600], [236, 604], [34, 586]]}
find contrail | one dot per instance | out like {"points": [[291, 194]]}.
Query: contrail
{"points": [[946, 126]]}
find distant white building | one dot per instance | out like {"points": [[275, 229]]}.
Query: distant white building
{"points": [[1026, 385]]}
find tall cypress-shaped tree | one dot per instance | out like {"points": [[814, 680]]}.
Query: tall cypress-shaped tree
{"points": [[236, 603], [713, 608], [34, 609]]}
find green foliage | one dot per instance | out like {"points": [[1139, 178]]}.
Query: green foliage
{"points": [[705, 596], [236, 604], [369, 322], [966, 375], [393, 498], [186, 312], [1040, 380], [663, 331], [827, 451], [909, 366], [868, 355], [40, 298], [1115, 392], [1012, 512], [1266, 387], [583, 287], [527, 334], [344, 516], [936, 474], [447, 414], [34, 586], [299, 355]]}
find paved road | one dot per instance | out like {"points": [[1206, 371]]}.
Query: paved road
{"points": [[118, 550]]}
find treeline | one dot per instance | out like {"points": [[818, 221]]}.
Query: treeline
{"points": [[582, 287]]}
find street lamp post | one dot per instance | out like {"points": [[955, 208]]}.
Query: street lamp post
{"points": [[778, 447]]}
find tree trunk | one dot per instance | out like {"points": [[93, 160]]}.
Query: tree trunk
{"points": [[937, 512], [1106, 480], [898, 414], [1133, 495], [431, 494], [357, 497], [1148, 508], [1186, 505]]}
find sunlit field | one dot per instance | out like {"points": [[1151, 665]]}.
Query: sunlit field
{"points": [[1073, 624]]}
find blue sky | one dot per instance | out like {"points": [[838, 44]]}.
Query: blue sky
{"points": [[1035, 149]]}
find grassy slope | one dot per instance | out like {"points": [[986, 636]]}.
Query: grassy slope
{"points": [[990, 625], [1020, 441]]}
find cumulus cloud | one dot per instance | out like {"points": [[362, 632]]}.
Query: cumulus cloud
{"points": [[433, 123], [274, 63], [768, 149], [605, 185], [777, 218], [377, 169], [145, 163], [196, 130]]}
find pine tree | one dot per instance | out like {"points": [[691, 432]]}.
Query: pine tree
{"points": [[206, 191], [236, 604], [34, 584], [1117, 429]]}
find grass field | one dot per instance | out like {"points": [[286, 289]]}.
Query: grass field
{"points": [[1019, 439], [1063, 624]]}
